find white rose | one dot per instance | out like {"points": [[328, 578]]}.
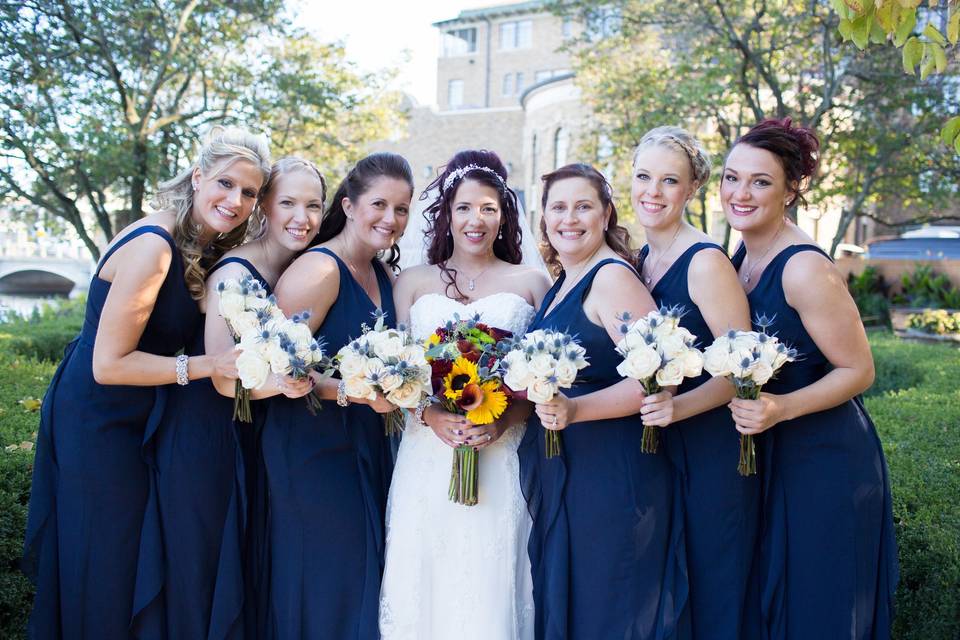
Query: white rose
{"points": [[407, 395], [278, 357], [351, 363], [633, 339], [389, 346], [761, 372], [542, 365], [373, 366], [672, 345], [518, 376], [541, 391], [671, 373], [299, 334], [566, 372], [231, 304], [252, 369], [390, 380], [245, 323], [716, 357], [692, 361], [744, 340], [358, 387], [740, 363], [640, 363], [665, 327], [425, 377], [256, 302]]}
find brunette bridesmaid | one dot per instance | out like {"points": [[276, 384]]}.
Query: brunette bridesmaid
{"points": [[827, 554]]}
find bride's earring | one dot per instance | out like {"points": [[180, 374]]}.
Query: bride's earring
{"points": [[500, 235]]}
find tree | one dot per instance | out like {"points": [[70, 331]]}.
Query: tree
{"points": [[718, 67], [897, 21], [101, 99]]}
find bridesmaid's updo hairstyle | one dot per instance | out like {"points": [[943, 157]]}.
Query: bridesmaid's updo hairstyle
{"points": [[358, 182], [222, 147], [684, 142], [616, 236], [797, 148], [285, 165], [486, 168]]}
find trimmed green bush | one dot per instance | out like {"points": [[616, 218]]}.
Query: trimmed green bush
{"points": [[44, 334]]}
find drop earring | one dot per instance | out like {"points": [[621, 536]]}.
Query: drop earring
{"points": [[500, 234]]}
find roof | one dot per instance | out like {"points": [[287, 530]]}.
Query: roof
{"points": [[493, 10]]}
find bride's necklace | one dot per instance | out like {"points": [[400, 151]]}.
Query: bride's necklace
{"points": [[471, 281], [759, 261], [653, 270]]}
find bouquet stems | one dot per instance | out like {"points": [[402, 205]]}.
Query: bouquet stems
{"points": [[463, 477], [748, 453], [241, 403], [552, 440], [314, 403], [393, 423], [651, 438]]}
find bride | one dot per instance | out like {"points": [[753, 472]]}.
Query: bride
{"points": [[454, 571]]}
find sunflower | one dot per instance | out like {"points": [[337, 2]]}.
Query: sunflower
{"points": [[432, 341], [462, 374], [482, 402], [491, 403]]}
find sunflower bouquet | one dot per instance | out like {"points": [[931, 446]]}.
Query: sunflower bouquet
{"points": [[464, 357]]}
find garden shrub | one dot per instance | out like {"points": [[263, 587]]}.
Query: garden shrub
{"points": [[869, 292], [926, 288]]}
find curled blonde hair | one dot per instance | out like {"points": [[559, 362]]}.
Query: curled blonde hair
{"points": [[222, 147], [683, 141], [284, 165]]}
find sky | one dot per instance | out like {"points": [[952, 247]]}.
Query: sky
{"points": [[385, 33]]}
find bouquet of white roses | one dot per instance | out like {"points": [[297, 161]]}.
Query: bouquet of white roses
{"points": [[749, 359], [659, 353], [541, 363], [269, 342], [388, 361], [245, 307]]}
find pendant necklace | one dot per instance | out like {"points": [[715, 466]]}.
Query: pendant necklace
{"points": [[649, 277], [749, 274]]}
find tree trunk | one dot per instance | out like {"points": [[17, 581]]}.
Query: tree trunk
{"points": [[138, 184]]}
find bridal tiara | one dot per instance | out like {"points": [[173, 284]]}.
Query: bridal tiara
{"points": [[456, 174]]}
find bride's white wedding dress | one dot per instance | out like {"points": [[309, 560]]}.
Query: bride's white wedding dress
{"points": [[454, 571]]}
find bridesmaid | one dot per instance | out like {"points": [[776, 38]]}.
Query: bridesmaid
{"points": [[833, 572], [204, 464], [90, 483], [606, 556], [683, 266], [328, 474]]}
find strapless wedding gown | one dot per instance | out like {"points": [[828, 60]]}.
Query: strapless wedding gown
{"points": [[454, 571]]}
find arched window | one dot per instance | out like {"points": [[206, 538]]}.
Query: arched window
{"points": [[561, 145]]}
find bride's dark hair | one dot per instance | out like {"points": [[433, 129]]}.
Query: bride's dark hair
{"points": [[438, 213]]}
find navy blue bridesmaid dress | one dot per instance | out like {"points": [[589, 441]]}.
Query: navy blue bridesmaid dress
{"points": [[328, 477], [606, 549], [194, 543], [828, 557], [90, 483], [721, 507]]}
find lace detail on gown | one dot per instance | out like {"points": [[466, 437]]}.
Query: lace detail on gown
{"points": [[454, 571]]}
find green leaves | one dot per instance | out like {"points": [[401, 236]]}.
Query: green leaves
{"points": [[912, 54], [950, 134]]}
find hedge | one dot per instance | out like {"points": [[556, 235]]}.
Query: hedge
{"points": [[915, 404]]}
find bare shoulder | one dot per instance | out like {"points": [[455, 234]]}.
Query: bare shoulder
{"points": [[709, 261], [808, 275], [312, 269], [616, 278]]}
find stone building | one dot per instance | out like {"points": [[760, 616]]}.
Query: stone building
{"points": [[503, 83]]}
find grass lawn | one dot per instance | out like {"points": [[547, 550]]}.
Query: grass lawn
{"points": [[915, 404]]}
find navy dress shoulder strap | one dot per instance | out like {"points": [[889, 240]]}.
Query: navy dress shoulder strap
{"points": [[139, 231], [246, 264]]}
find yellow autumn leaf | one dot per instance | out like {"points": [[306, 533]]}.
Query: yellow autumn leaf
{"points": [[30, 404]]}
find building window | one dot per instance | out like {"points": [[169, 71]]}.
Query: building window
{"points": [[567, 28], [455, 93], [516, 35], [603, 22], [458, 42], [512, 84], [561, 145]]}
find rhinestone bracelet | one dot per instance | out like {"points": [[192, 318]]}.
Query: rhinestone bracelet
{"points": [[342, 394], [182, 377]]}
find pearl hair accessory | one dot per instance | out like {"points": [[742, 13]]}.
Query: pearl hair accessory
{"points": [[456, 174]]}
